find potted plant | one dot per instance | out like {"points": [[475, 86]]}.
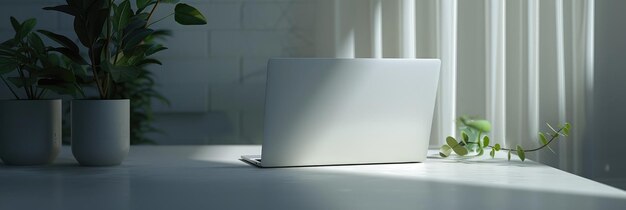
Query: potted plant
{"points": [[31, 126], [117, 38]]}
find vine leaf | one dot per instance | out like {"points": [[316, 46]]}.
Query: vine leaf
{"points": [[486, 141], [458, 149], [451, 141], [492, 153], [465, 137], [544, 141], [480, 125], [520, 153], [557, 133], [445, 150], [481, 151], [496, 147], [566, 129]]}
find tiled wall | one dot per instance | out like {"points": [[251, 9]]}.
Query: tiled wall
{"points": [[214, 74]]}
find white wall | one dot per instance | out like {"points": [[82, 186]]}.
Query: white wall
{"points": [[214, 74]]}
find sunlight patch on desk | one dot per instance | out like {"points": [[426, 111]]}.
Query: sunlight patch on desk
{"points": [[495, 173]]}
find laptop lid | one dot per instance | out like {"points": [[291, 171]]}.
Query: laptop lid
{"points": [[348, 111]]}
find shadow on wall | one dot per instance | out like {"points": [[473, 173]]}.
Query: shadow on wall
{"points": [[215, 76]]}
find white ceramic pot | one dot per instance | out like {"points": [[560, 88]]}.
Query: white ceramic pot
{"points": [[30, 131], [100, 131]]}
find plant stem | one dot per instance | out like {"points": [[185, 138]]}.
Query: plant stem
{"points": [[107, 82], [160, 19], [152, 11], [28, 95], [41, 93], [11, 89], [554, 136], [108, 37], [95, 74]]}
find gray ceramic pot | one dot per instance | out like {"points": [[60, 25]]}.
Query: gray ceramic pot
{"points": [[100, 131], [30, 131]]}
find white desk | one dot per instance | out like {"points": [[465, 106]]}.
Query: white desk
{"points": [[211, 177]]}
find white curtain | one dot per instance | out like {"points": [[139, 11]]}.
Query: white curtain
{"points": [[518, 63]]}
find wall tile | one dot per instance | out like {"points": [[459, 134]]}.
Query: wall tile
{"points": [[278, 15], [242, 97], [185, 45], [262, 43], [201, 127], [215, 70], [252, 126], [191, 97], [254, 69]]}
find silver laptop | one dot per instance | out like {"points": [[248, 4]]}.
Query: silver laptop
{"points": [[347, 111]]}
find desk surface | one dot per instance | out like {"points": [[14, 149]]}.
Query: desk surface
{"points": [[212, 177]]}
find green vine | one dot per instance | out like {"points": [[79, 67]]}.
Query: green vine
{"points": [[472, 131]]}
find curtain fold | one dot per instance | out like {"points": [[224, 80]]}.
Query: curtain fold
{"points": [[518, 63]]}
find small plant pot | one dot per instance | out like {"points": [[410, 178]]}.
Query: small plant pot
{"points": [[30, 131], [100, 131]]}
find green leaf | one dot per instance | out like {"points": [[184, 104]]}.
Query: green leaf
{"points": [[149, 61], [142, 4], [59, 86], [35, 41], [63, 40], [74, 56], [16, 24], [154, 49], [520, 153], [445, 151], [481, 125], [7, 65], [492, 153], [188, 15], [80, 29], [486, 141], [509, 155], [122, 15], [58, 73], [460, 150], [64, 9], [136, 37], [451, 141], [496, 147], [123, 73], [566, 131], [543, 139], [95, 23], [481, 151], [27, 27]]}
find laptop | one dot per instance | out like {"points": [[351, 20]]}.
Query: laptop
{"points": [[321, 111]]}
